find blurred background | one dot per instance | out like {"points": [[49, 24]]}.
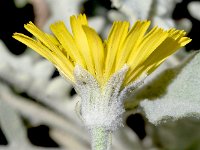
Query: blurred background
{"points": [[37, 107]]}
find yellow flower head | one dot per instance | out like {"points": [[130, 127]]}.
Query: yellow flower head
{"points": [[142, 51]]}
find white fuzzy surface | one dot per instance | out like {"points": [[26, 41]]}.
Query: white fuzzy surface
{"points": [[193, 8], [182, 98], [100, 107]]}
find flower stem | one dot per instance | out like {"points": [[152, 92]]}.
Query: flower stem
{"points": [[101, 138]]}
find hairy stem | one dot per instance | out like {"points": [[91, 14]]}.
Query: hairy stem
{"points": [[101, 138]]}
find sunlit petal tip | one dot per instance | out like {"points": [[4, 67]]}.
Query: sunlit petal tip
{"points": [[145, 21], [80, 19], [72, 17], [29, 24], [184, 41]]}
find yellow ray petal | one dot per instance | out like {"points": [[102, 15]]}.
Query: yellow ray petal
{"points": [[149, 43], [115, 41], [173, 42], [184, 41], [81, 40], [41, 36], [97, 49], [131, 43], [167, 48], [143, 53], [66, 40], [64, 65], [35, 45], [45, 39], [82, 19], [52, 39]]}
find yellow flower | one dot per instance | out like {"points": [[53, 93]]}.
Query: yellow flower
{"points": [[142, 51]]}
